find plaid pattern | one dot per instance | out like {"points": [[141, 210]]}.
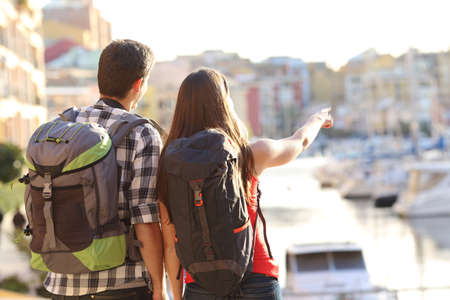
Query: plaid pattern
{"points": [[138, 157]]}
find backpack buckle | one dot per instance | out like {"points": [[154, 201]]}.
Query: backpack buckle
{"points": [[197, 185], [198, 198], [25, 179], [27, 231], [47, 190]]}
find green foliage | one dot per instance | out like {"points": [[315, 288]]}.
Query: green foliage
{"points": [[11, 161], [12, 283], [22, 3], [23, 245], [11, 196], [21, 242]]}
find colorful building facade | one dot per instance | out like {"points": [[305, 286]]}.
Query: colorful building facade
{"points": [[22, 79]]}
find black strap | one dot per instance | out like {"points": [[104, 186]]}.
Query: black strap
{"points": [[70, 114], [160, 130], [196, 186], [124, 129], [179, 272], [254, 230], [264, 223], [115, 104]]}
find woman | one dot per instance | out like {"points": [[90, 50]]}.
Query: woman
{"points": [[204, 102]]}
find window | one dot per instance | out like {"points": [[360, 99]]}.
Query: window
{"points": [[12, 36], [348, 260], [34, 57], [2, 36], [312, 262]]}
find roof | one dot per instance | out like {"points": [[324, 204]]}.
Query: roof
{"points": [[322, 247], [58, 49], [77, 57]]}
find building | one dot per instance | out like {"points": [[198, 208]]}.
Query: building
{"points": [[241, 95], [391, 92], [269, 97], [326, 85], [72, 80], [22, 79], [354, 72], [74, 33], [78, 21], [422, 89], [441, 112], [166, 78], [161, 97], [443, 75]]}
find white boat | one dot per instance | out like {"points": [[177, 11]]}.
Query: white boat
{"points": [[356, 188], [428, 191], [392, 179], [380, 180], [327, 271], [358, 184], [331, 173]]}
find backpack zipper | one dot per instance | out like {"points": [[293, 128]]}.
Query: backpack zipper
{"points": [[67, 187], [85, 167], [97, 205]]}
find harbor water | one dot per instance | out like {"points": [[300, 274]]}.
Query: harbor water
{"points": [[410, 257]]}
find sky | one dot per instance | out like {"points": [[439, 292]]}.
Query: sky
{"points": [[313, 30]]}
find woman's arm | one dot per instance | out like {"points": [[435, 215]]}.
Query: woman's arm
{"points": [[271, 153], [170, 257]]}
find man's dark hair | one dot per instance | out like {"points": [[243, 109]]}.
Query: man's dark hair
{"points": [[121, 63]]}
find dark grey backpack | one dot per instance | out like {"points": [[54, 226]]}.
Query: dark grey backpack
{"points": [[72, 196], [215, 240]]}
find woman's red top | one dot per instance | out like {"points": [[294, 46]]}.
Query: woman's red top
{"points": [[262, 263]]}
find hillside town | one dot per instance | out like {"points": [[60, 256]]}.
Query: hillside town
{"points": [[49, 58]]}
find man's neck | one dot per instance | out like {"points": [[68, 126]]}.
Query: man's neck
{"points": [[126, 103]]}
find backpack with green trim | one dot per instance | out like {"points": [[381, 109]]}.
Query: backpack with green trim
{"points": [[72, 195]]}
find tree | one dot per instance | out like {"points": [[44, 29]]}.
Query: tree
{"points": [[11, 162]]}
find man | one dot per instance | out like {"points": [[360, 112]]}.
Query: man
{"points": [[123, 73]]}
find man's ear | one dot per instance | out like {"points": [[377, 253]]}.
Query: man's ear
{"points": [[138, 84]]}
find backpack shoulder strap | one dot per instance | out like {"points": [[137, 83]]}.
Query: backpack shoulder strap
{"points": [[263, 220], [121, 128], [70, 114], [158, 127], [161, 130]]}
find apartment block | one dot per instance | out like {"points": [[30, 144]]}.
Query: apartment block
{"points": [[22, 79]]}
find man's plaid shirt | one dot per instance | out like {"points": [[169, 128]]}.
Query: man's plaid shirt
{"points": [[138, 157]]}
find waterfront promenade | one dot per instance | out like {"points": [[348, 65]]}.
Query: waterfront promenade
{"points": [[10, 295]]}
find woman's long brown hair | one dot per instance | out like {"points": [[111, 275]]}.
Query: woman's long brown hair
{"points": [[202, 104]]}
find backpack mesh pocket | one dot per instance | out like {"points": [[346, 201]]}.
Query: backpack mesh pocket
{"points": [[71, 226]]}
